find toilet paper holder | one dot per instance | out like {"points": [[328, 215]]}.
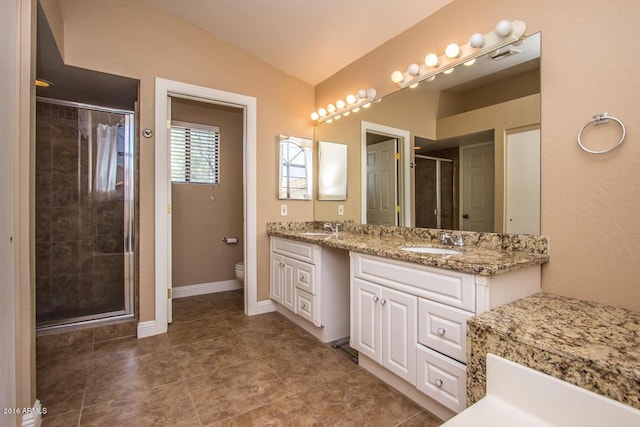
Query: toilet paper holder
{"points": [[230, 240]]}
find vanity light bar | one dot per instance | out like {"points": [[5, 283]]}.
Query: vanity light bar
{"points": [[505, 33], [362, 99]]}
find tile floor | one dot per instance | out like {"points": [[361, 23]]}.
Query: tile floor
{"points": [[216, 367]]}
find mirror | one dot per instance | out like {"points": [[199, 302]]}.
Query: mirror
{"points": [[332, 171], [295, 176], [460, 138]]}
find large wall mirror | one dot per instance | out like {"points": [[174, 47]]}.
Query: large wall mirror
{"points": [[295, 167], [468, 144]]}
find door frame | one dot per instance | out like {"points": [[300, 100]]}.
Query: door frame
{"points": [[164, 89], [404, 184]]}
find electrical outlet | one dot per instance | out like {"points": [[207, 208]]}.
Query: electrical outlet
{"points": [[340, 209], [283, 210]]}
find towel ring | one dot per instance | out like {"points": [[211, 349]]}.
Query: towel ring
{"points": [[600, 119]]}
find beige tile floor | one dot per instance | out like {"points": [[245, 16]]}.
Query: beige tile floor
{"points": [[216, 367]]}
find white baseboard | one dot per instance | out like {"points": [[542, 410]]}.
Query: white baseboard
{"points": [[147, 329], [33, 419], [205, 288], [263, 307]]}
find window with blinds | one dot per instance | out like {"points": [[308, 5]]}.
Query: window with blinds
{"points": [[195, 153]]}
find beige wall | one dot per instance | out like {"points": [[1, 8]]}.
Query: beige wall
{"points": [[589, 203], [134, 39], [198, 223]]}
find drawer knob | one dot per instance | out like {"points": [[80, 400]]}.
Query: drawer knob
{"points": [[302, 278], [282, 264], [304, 306], [439, 383], [441, 331], [375, 298], [383, 301]]}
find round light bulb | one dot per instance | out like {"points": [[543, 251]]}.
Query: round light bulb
{"points": [[414, 69], [452, 51], [322, 112], [371, 94], [431, 60], [396, 77], [503, 28], [476, 40], [351, 99], [362, 94], [340, 103], [315, 116], [331, 108]]}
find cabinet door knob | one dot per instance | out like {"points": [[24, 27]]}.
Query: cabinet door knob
{"points": [[304, 306], [302, 278], [375, 298], [439, 383], [383, 301], [441, 331], [281, 264]]}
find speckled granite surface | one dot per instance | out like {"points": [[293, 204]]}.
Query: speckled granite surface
{"points": [[591, 345], [483, 253]]}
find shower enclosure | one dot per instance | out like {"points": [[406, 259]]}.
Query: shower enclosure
{"points": [[84, 199], [435, 192]]}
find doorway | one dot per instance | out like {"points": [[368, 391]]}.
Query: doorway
{"points": [[403, 209], [164, 90], [477, 192]]}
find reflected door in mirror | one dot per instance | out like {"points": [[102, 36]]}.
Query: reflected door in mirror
{"points": [[477, 187], [382, 173]]}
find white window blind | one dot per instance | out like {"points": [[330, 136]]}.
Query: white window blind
{"points": [[195, 153]]}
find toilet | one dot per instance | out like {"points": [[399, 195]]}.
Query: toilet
{"points": [[240, 272]]}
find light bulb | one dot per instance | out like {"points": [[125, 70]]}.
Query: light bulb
{"points": [[476, 40], [340, 104], [362, 94], [355, 110], [346, 113], [414, 69], [371, 94], [315, 116], [331, 108], [396, 77], [413, 86], [329, 121], [337, 117], [470, 63], [449, 71], [322, 112], [503, 28], [351, 99], [431, 60], [452, 51], [367, 105]]}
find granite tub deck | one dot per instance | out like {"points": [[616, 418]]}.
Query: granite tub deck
{"points": [[591, 345], [484, 253]]}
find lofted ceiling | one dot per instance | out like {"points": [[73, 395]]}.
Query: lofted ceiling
{"points": [[308, 39]]}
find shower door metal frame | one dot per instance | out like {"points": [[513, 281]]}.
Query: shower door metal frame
{"points": [[129, 218], [438, 161]]}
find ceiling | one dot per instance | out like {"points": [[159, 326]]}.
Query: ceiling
{"points": [[310, 39]]}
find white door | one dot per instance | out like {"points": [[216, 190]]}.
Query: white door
{"points": [[366, 336], [523, 182], [477, 187], [399, 333], [382, 173]]}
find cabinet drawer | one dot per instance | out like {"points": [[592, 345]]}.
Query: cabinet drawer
{"points": [[442, 378], [443, 328], [306, 307], [298, 250], [448, 287], [305, 277]]}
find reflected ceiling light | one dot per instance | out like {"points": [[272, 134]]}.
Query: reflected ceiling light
{"points": [[452, 51], [505, 33], [341, 108], [413, 86], [470, 63], [449, 71], [367, 105]]}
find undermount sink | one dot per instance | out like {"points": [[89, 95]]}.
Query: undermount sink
{"points": [[430, 250], [314, 233]]}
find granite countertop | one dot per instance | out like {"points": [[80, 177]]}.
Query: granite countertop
{"points": [[591, 345], [484, 253]]}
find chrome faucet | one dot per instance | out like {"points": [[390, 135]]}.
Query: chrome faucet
{"points": [[332, 228], [448, 239]]}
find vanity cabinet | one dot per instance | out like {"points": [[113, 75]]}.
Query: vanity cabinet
{"points": [[310, 285], [410, 320]]}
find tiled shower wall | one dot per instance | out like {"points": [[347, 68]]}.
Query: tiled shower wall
{"points": [[79, 235]]}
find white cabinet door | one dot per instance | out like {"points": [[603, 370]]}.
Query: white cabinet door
{"points": [[277, 277], [289, 285], [367, 334], [399, 333]]}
